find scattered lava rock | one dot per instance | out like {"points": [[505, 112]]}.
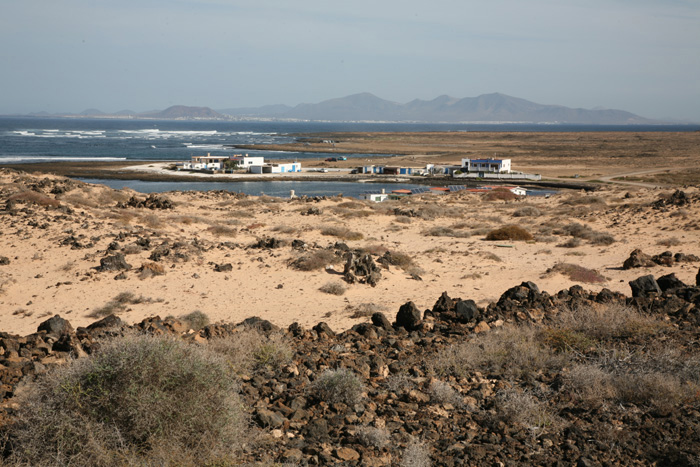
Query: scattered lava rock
{"points": [[151, 202], [115, 262]]}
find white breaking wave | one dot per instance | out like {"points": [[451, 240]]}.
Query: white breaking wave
{"points": [[204, 146], [6, 159]]}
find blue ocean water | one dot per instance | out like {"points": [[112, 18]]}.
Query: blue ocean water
{"points": [[26, 140]]}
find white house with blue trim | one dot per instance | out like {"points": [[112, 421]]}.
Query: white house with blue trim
{"points": [[493, 166], [275, 168]]}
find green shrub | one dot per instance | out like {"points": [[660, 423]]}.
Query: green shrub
{"points": [[338, 386], [141, 400]]}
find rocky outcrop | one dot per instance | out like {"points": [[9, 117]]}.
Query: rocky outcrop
{"points": [[360, 267], [404, 398], [638, 259], [151, 202], [115, 262]]}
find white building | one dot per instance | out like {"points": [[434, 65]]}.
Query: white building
{"points": [[207, 162], [275, 168], [374, 196], [246, 162], [486, 165]]}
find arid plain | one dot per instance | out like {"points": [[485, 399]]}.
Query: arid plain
{"points": [[233, 256]]}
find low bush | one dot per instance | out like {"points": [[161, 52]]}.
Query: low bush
{"points": [[33, 197], [370, 436], [586, 233], [527, 211], [500, 194], [613, 321], [333, 288], [584, 200], [571, 243], [667, 242], [442, 231], [118, 305], [250, 350], [514, 351], [314, 260], [364, 310], [341, 232], [416, 454], [151, 220], [524, 409], [509, 232], [398, 259], [141, 400], [577, 273], [151, 269], [222, 231], [338, 386], [196, 320], [442, 393]]}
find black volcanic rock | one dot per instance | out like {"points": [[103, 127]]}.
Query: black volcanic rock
{"points": [[55, 326], [466, 311], [669, 281], [644, 286], [408, 317], [115, 262]]}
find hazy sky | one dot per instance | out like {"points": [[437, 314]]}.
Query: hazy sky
{"points": [[65, 56]]}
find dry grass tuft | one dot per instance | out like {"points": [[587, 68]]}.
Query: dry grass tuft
{"points": [[222, 231], [500, 194], [250, 350], [341, 232], [36, 198], [577, 273], [333, 288], [364, 310], [442, 231], [151, 269], [315, 260]]}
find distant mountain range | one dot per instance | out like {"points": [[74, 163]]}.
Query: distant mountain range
{"points": [[487, 108]]}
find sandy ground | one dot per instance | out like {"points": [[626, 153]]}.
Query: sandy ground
{"points": [[54, 243]]}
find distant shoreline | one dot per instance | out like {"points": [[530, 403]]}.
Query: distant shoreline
{"points": [[129, 170]]}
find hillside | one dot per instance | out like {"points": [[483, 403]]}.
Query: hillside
{"points": [[182, 112], [491, 108], [460, 329]]}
